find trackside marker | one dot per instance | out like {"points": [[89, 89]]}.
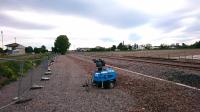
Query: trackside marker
{"points": [[179, 84]]}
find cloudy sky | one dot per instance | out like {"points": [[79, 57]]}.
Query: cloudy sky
{"points": [[90, 23]]}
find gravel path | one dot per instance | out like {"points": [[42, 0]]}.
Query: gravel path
{"points": [[63, 93]]}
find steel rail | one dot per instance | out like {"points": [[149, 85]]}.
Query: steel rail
{"points": [[193, 67]]}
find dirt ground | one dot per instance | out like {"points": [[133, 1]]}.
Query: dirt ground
{"points": [[64, 93]]}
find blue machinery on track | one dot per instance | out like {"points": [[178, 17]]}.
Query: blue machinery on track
{"points": [[104, 77]]}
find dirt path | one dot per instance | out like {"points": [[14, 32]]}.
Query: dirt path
{"points": [[63, 93]]}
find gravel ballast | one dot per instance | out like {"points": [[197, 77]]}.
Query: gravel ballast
{"points": [[150, 95], [63, 93]]}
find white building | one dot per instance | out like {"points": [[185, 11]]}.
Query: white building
{"points": [[15, 49], [141, 47], [82, 49]]}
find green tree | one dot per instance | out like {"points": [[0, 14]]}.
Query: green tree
{"points": [[163, 46], [37, 50], [148, 46], [62, 44], [120, 46], [196, 44], [53, 49], [130, 47], [43, 49], [113, 48], [29, 49], [1, 50]]}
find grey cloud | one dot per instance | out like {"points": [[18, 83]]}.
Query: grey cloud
{"points": [[122, 18], [173, 21], [104, 11], [11, 22], [194, 28], [168, 23]]}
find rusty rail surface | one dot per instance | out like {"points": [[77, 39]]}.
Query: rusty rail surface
{"points": [[178, 64]]}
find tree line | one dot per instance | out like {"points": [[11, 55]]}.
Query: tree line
{"points": [[61, 45], [30, 49], [180, 46], [36, 50], [122, 47]]}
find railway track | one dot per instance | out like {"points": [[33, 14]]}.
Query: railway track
{"points": [[176, 80], [191, 66], [182, 61]]}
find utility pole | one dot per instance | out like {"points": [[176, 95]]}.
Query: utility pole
{"points": [[2, 38], [15, 39]]}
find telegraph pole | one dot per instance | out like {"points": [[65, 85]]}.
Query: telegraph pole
{"points": [[2, 38]]}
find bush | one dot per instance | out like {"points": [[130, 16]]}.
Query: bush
{"points": [[37, 62], [5, 71], [27, 65], [10, 70], [14, 66]]}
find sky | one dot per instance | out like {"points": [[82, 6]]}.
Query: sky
{"points": [[90, 23]]}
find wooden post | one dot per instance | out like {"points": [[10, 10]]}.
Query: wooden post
{"points": [[192, 58]]}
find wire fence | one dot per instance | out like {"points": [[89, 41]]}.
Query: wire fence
{"points": [[17, 77]]}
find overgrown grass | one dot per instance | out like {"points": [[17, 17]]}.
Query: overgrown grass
{"points": [[24, 57], [10, 70]]}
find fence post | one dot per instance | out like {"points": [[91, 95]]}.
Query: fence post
{"points": [[31, 82], [48, 63], [185, 56], [192, 58], [43, 78], [20, 79]]}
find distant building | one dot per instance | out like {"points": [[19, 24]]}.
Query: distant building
{"points": [[15, 49], [117, 49], [155, 47], [98, 47], [82, 49], [141, 47]]}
